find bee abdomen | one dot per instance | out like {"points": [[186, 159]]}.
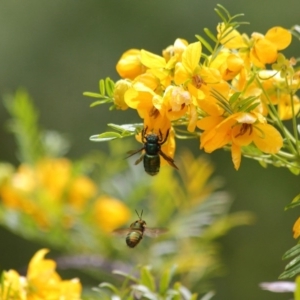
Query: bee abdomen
{"points": [[152, 164], [133, 238]]}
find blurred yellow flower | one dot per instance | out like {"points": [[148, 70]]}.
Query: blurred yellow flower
{"points": [[41, 283], [296, 229], [110, 213], [53, 175], [81, 190]]}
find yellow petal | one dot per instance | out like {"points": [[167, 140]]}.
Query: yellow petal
{"points": [[236, 156], [266, 51], [296, 229], [241, 139], [191, 56], [267, 138], [232, 40], [152, 60], [129, 65], [245, 118], [209, 122], [279, 37]]}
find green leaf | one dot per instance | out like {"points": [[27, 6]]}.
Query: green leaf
{"points": [[106, 136], [109, 286], [127, 276], [166, 279], [130, 128], [295, 202], [263, 163], [252, 107], [93, 95], [205, 43], [24, 125], [210, 35], [291, 252], [223, 18], [291, 272], [102, 87], [147, 278], [234, 98], [294, 170], [99, 102], [109, 86], [207, 296], [292, 263]]}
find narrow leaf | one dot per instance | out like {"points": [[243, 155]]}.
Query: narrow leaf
{"points": [[234, 98], [109, 286], [295, 202], [147, 278], [130, 277], [109, 86], [292, 263], [291, 252], [99, 102], [291, 272], [102, 87], [104, 137], [93, 95], [205, 43], [210, 35], [166, 279]]}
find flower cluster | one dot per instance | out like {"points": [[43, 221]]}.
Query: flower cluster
{"points": [[41, 282], [234, 97], [53, 195]]}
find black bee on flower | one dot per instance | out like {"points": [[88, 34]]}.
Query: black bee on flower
{"points": [[152, 147]]}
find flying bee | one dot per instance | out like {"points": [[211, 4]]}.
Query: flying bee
{"points": [[152, 147], [137, 229]]}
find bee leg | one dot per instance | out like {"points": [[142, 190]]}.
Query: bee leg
{"points": [[144, 135], [168, 159], [140, 159], [162, 141]]}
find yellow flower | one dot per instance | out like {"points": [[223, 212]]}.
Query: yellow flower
{"points": [[231, 38], [45, 283], [121, 86], [296, 229], [81, 190], [54, 175], [175, 50], [42, 282], [240, 129], [13, 286], [229, 64], [110, 213], [265, 48], [130, 66], [279, 93]]}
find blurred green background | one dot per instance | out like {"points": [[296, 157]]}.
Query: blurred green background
{"points": [[59, 49]]}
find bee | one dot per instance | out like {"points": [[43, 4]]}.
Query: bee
{"points": [[152, 147], [136, 231]]}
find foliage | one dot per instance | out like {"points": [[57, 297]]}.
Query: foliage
{"points": [[145, 287]]}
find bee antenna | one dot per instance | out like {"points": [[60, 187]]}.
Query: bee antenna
{"points": [[140, 216]]}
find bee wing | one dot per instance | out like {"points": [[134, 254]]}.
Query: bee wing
{"points": [[121, 231], [132, 152], [168, 159], [154, 232]]}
